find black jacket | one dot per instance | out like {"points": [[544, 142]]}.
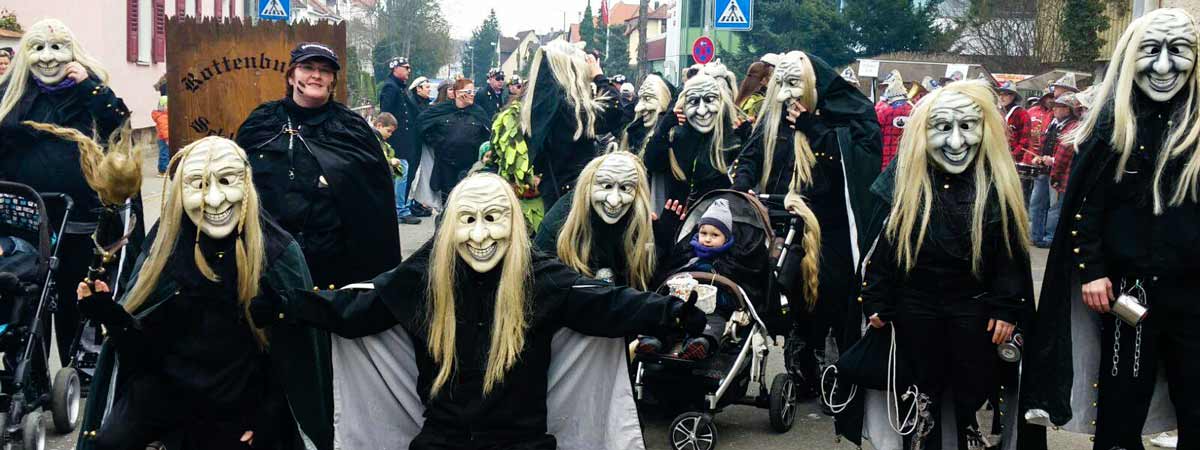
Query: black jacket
{"points": [[517, 407], [49, 164], [491, 102], [1107, 229], [454, 136], [354, 239], [691, 150], [395, 98], [555, 152]]}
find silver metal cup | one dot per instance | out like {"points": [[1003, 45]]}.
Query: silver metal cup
{"points": [[1130, 310], [1010, 350]]}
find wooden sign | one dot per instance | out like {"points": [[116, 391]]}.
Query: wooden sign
{"points": [[219, 70]]}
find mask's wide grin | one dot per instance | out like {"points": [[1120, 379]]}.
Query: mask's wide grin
{"points": [[611, 211], [1163, 84], [483, 254], [220, 218]]}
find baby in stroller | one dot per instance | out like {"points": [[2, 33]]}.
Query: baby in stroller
{"points": [[18, 258], [709, 249]]}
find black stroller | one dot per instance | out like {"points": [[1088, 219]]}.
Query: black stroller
{"points": [[707, 386], [27, 388]]}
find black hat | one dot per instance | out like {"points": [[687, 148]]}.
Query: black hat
{"points": [[309, 50], [397, 62]]}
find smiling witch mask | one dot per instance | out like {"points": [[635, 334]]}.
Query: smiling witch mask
{"points": [[50, 50], [614, 188], [954, 132], [483, 224], [214, 186], [1166, 56]]}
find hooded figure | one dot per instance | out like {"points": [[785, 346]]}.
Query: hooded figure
{"points": [[1127, 229], [184, 363], [697, 154], [824, 141], [53, 80], [950, 271], [459, 346], [567, 104]]}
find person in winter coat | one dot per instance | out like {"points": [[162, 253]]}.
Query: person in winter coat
{"points": [[1045, 203], [893, 114], [161, 127], [753, 90], [195, 372], [395, 98], [422, 94], [454, 131], [493, 95], [1018, 120], [384, 125], [481, 310], [322, 175]]}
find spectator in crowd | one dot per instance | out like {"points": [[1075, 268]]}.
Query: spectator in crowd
{"points": [[493, 96], [443, 92], [422, 94], [395, 98], [385, 125], [1018, 120], [160, 117], [893, 114], [6, 55], [516, 86], [1058, 150], [453, 131], [754, 87], [1040, 115]]}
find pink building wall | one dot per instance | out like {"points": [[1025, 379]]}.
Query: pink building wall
{"points": [[99, 25]]}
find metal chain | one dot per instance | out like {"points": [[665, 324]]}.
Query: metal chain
{"points": [[1137, 352], [1116, 345]]}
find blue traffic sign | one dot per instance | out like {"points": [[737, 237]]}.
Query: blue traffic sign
{"points": [[733, 15], [274, 9]]}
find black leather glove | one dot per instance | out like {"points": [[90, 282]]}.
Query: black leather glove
{"points": [[265, 310], [688, 316]]}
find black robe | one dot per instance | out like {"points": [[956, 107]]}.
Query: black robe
{"points": [[515, 411], [358, 177], [691, 149], [553, 149], [454, 135]]}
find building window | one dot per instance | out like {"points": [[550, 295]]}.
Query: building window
{"points": [[695, 13]]}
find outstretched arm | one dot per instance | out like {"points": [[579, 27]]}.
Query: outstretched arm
{"points": [[599, 309], [347, 313]]}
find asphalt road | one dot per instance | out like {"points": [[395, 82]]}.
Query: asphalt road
{"points": [[738, 427]]}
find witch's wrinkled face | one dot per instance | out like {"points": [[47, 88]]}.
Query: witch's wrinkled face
{"points": [[954, 132], [214, 187], [649, 104], [49, 51], [483, 224], [703, 99], [614, 188], [1166, 56], [789, 75]]}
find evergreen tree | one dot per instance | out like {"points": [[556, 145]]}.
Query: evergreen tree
{"points": [[883, 26], [482, 49], [617, 59], [813, 26], [1082, 23], [587, 27]]}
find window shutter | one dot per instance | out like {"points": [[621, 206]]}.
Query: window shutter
{"points": [[159, 52], [131, 30], [179, 6], [219, 8], [198, 13]]}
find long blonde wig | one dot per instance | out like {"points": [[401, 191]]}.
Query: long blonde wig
{"points": [[17, 78], [510, 320], [727, 114], [250, 247], [656, 84], [1118, 90], [115, 175], [773, 112], [912, 197], [575, 238], [569, 68]]}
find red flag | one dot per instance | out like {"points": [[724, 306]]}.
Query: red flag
{"points": [[604, 13]]}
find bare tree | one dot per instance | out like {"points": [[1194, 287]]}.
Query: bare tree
{"points": [[997, 31]]}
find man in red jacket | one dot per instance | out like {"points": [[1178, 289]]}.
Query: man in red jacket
{"points": [[1018, 120]]}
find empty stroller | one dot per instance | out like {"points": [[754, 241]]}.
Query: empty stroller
{"points": [[26, 390], [704, 387]]}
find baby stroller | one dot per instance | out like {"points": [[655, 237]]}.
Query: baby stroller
{"points": [[26, 390], [705, 387]]}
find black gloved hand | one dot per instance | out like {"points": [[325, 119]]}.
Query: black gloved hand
{"points": [[687, 316], [99, 306], [265, 310]]}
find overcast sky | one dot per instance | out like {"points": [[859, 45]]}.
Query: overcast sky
{"points": [[514, 15]]}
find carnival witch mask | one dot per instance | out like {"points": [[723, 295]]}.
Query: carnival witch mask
{"points": [[482, 224], [653, 99], [613, 188], [50, 48], [214, 187], [954, 132], [1166, 56], [703, 100], [791, 78]]}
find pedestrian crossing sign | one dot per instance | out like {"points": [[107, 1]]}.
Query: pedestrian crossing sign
{"points": [[274, 9], [733, 15]]}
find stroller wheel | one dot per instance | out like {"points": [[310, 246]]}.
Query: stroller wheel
{"points": [[33, 432], [693, 431], [64, 400], [782, 403]]}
